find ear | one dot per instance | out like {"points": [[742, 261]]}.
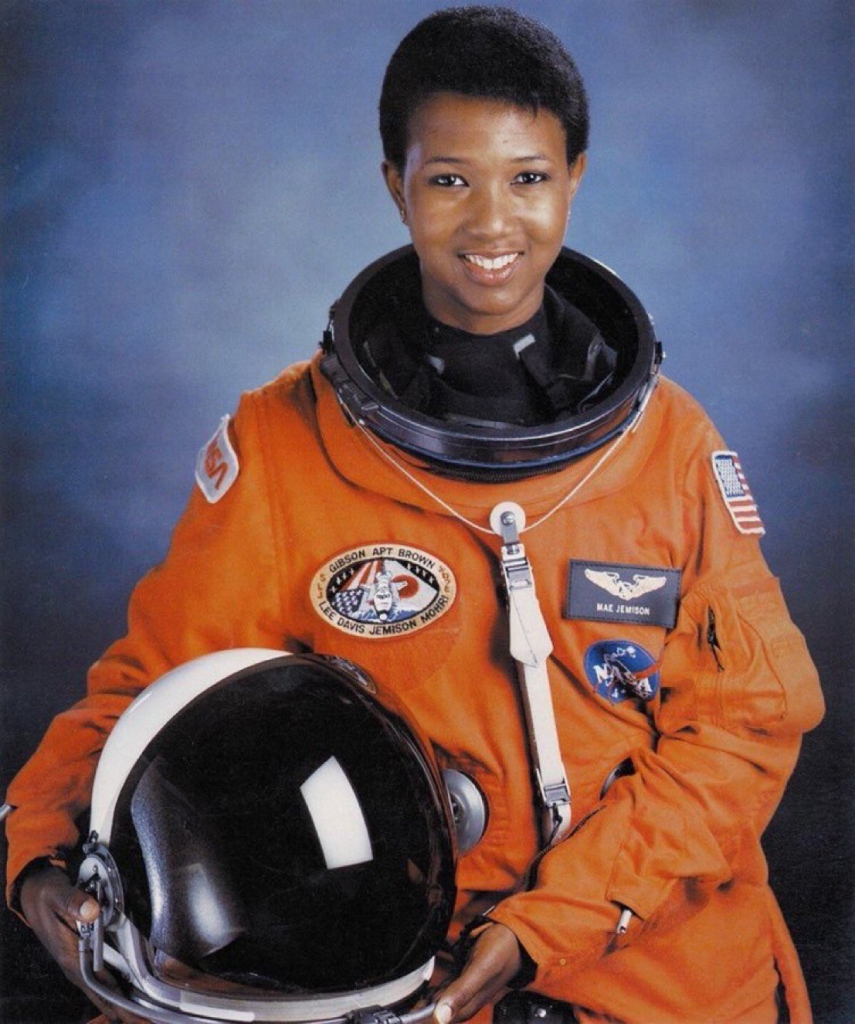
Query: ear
{"points": [[575, 171], [394, 182]]}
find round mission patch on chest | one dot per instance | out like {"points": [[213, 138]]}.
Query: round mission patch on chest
{"points": [[383, 590]]}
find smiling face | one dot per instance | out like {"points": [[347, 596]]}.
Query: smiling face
{"points": [[486, 192]]}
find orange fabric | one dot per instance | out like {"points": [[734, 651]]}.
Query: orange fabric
{"points": [[677, 842]]}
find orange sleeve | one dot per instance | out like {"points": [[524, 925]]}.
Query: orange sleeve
{"points": [[738, 689], [217, 588]]}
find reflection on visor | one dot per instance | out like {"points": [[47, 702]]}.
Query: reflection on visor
{"points": [[337, 816], [268, 830]]}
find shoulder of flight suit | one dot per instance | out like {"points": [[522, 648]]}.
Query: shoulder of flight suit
{"points": [[217, 588]]}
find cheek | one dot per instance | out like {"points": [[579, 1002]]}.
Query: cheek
{"points": [[431, 219], [432, 235], [549, 220]]}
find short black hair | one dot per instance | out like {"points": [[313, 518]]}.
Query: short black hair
{"points": [[488, 52]]}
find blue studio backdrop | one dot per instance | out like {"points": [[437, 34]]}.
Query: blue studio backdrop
{"points": [[188, 184]]}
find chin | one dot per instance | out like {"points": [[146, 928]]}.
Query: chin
{"points": [[499, 306]]}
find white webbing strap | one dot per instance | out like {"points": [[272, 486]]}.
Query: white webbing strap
{"points": [[530, 646]]}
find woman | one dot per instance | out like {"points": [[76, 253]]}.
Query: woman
{"points": [[486, 387]]}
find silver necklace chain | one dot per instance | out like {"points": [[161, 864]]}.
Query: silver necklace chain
{"points": [[607, 454]]}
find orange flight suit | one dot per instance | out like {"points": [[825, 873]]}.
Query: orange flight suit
{"points": [[677, 842]]}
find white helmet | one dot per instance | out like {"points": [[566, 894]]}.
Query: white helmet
{"points": [[268, 842]]}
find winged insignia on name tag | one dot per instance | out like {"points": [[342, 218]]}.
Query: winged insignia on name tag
{"points": [[616, 592], [625, 589]]}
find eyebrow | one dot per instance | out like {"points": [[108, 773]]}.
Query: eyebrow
{"points": [[457, 160]]}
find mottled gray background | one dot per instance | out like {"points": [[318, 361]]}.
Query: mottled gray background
{"points": [[187, 185]]}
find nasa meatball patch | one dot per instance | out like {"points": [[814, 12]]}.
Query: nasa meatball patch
{"points": [[383, 590], [620, 669]]}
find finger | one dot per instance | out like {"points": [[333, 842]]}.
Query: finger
{"points": [[75, 978], [112, 1012], [460, 1004], [50, 890], [115, 1014], [44, 901], [443, 1012], [53, 907], [494, 961], [75, 905]]}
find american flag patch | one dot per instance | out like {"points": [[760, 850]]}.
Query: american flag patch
{"points": [[736, 493]]}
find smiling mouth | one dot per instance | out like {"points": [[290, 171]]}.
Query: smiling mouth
{"points": [[491, 263]]}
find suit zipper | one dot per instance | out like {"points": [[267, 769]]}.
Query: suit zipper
{"points": [[712, 639]]}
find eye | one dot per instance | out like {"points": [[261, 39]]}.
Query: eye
{"points": [[530, 178], [447, 180]]}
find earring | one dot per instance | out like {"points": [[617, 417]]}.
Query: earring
{"points": [[403, 213]]}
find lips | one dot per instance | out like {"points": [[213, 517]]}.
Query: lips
{"points": [[490, 270]]}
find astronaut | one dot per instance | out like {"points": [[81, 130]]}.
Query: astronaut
{"points": [[487, 411], [376, 600]]}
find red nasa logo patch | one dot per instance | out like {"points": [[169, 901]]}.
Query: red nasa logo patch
{"points": [[217, 464]]}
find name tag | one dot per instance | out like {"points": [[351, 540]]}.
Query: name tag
{"points": [[611, 592]]}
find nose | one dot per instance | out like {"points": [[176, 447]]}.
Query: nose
{"points": [[490, 212]]}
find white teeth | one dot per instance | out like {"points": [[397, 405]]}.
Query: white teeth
{"points": [[494, 264]]}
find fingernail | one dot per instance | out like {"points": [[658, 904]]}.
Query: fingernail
{"points": [[442, 1013], [88, 910]]}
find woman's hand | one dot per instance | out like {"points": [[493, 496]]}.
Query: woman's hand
{"points": [[53, 908], [492, 964]]}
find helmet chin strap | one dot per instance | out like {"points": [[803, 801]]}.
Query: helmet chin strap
{"points": [[530, 647]]}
